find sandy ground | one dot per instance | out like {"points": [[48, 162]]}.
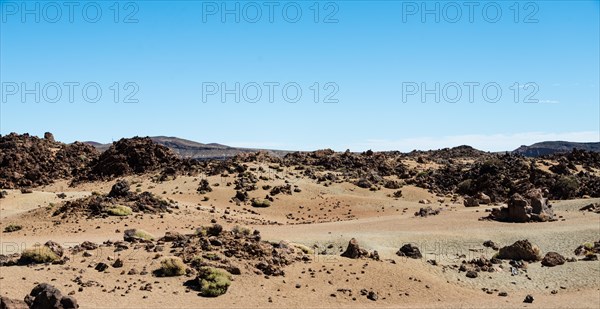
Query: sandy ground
{"points": [[319, 217]]}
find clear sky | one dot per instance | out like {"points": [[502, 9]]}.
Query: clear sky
{"points": [[166, 64]]}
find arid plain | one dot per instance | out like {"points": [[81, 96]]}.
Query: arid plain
{"points": [[317, 229]]}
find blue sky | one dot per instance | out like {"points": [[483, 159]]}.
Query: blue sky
{"points": [[363, 56]]}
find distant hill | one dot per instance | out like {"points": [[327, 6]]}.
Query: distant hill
{"points": [[547, 148], [190, 149]]}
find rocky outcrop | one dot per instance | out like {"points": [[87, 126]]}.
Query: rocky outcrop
{"points": [[113, 203], [520, 250], [353, 251], [29, 161], [137, 155], [531, 207]]}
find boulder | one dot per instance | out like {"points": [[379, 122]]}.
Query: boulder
{"points": [[594, 207], [118, 263], [353, 251], [363, 183], [471, 274], [552, 259], [88, 245], [518, 209], [46, 296], [120, 188], [427, 211], [530, 207], [173, 236], [490, 244], [484, 198], [7, 303], [101, 266], [520, 250], [410, 251], [55, 247], [49, 137], [471, 202]]}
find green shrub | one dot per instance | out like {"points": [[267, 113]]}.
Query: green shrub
{"points": [[465, 186], [566, 187], [303, 248], [38, 255], [172, 266], [12, 228], [202, 231], [261, 203], [143, 235], [120, 211], [241, 230], [213, 281], [196, 261], [211, 256]]}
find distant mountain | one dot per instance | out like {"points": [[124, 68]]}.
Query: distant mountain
{"points": [[547, 148], [190, 149]]}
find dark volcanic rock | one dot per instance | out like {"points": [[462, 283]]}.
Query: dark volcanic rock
{"points": [[427, 211], [101, 266], [471, 274], [531, 207], [410, 251], [353, 251], [45, 296], [28, 161], [137, 155], [552, 259], [520, 250], [55, 247], [119, 189]]}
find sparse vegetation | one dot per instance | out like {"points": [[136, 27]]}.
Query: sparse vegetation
{"points": [[172, 266], [566, 187], [241, 230], [261, 203], [119, 210], [465, 186], [196, 261], [211, 256], [213, 281], [12, 228], [141, 234], [303, 248], [201, 231], [38, 255]]}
